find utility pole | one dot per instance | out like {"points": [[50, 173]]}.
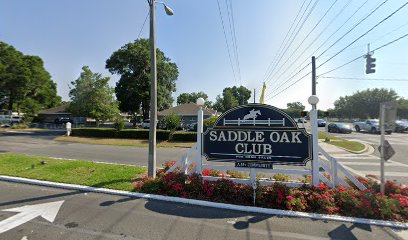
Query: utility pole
{"points": [[313, 75], [254, 95], [153, 95], [313, 100]]}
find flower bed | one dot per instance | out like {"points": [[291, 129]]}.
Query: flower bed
{"points": [[346, 201]]}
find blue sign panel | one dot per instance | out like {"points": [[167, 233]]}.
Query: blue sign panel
{"points": [[257, 133]]}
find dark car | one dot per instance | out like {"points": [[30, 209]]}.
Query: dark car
{"points": [[321, 123], [62, 120], [401, 126], [339, 128]]}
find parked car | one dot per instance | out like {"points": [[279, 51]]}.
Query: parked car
{"points": [[339, 128], [321, 123], [401, 126], [370, 125], [302, 120], [192, 127], [62, 120], [5, 120], [146, 123]]}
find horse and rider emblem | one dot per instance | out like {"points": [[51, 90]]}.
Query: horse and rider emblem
{"points": [[250, 119], [252, 114]]}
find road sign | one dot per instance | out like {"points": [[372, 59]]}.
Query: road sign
{"points": [[388, 150], [257, 133], [390, 113]]}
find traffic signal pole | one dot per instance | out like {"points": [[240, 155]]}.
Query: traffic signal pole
{"points": [[382, 126]]}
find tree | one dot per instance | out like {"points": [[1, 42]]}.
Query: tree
{"points": [[25, 85], [91, 96], [231, 97], [363, 104], [241, 94], [191, 97], [403, 108], [172, 121], [132, 63], [294, 109]]}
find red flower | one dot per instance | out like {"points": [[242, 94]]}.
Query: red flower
{"points": [[289, 198]]}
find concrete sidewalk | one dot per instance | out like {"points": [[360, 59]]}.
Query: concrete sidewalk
{"points": [[333, 150]]}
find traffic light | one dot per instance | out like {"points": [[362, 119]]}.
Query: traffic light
{"points": [[303, 113], [370, 64]]}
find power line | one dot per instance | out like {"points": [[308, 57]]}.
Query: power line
{"points": [[294, 51], [294, 37], [355, 59], [362, 20], [362, 35], [141, 29], [301, 78], [368, 79], [351, 29], [226, 40], [284, 39], [327, 39], [233, 35]]}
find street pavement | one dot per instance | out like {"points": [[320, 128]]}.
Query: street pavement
{"points": [[42, 143], [100, 216], [369, 164]]}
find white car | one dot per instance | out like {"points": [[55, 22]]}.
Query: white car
{"points": [[146, 123]]}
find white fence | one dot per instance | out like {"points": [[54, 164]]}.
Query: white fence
{"points": [[190, 161], [240, 122]]}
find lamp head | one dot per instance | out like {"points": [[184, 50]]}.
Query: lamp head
{"points": [[313, 100], [168, 10], [200, 101]]}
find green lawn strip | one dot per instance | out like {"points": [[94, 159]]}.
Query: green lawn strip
{"points": [[343, 143], [349, 145], [70, 171], [123, 142]]}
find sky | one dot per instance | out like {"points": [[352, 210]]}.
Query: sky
{"points": [[70, 34]]}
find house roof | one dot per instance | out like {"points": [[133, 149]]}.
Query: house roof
{"points": [[56, 110], [188, 109]]}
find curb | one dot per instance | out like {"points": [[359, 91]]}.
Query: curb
{"points": [[202, 203]]}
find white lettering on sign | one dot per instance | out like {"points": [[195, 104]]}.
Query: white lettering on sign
{"points": [[295, 136], [253, 148], [252, 142]]}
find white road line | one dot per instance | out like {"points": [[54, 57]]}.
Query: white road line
{"points": [[356, 157], [393, 174], [370, 164]]}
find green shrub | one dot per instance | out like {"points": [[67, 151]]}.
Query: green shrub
{"points": [[112, 133], [94, 132], [119, 124], [172, 121], [209, 122], [281, 177], [19, 126], [184, 136]]}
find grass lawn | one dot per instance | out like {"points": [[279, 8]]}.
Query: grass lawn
{"points": [[343, 143], [67, 171], [123, 142]]}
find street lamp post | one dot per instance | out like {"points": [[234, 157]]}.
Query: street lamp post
{"points": [[153, 89]]}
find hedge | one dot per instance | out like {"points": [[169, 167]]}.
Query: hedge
{"points": [[112, 133], [184, 136]]}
